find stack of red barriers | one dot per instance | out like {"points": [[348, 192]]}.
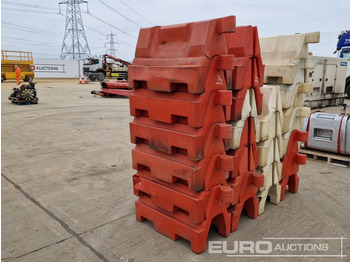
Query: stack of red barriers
{"points": [[190, 82]]}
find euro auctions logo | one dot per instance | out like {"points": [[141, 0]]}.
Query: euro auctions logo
{"points": [[241, 247], [280, 247]]}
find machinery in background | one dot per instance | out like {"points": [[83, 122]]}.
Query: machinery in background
{"points": [[289, 64], [114, 89], [106, 66], [328, 132], [24, 60], [343, 51], [328, 77], [25, 94]]}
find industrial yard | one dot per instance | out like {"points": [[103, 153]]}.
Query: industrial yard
{"points": [[67, 189], [179, 131]]}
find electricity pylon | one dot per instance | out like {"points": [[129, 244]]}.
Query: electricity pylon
{"points": [[75, 45], [111, 43]]}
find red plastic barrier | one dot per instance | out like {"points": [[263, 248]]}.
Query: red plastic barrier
{"points": [[249, 70], [197, 176], [179, 198], [185, 108], [175, 225], [244, 178], [171, 57], [244, 43], [246, 157], [291, 162], [196, 159], [251, 80], [189, 80], [258, 60], [173, 141], [196, 39]]}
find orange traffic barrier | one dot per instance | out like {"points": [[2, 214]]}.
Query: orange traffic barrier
{"points": [[175, 225], [185, 108], [190, 82], [179, 198], [291, 162], [181, 104], [176, 58], [244, 179], [172, 141], [248, 72], [197, 176]]}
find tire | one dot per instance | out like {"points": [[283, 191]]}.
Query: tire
{"points": [[100, 77], [347, 87], [126, 76], [92, 77], [29, 79], [2, 79]]}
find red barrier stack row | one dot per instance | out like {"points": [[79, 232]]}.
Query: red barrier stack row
{"points": [[249, 70], [291, 162], [247, 74], [189, 81], [181, 105]]}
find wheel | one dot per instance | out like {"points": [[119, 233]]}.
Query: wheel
{"points": [[348, 91], [27, 94], [126, 76], [92, 77], [29, 79], [100, 77], [2, 79], [347, 87]]}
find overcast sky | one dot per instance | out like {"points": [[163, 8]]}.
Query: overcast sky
{"points": [[37, 26]]}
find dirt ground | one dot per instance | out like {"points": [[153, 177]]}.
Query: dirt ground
{"points": [[67, 195]]}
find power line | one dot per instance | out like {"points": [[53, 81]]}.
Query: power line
{"points": [[46, 32], [39, 31], [89, 13], [136, 12], [29, 29], [120, 41], [125, 43], [26, 41], [29, 11], [127, 18], [96, 39], [20, 41], [27, 5], [93, 29], [126, 33]]}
